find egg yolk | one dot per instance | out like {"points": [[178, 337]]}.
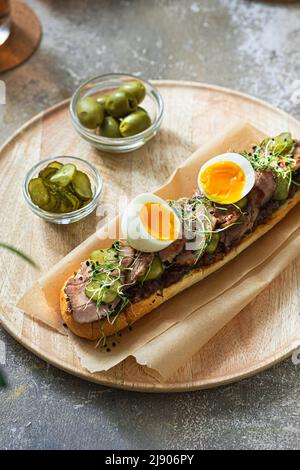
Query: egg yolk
{"points": [[159, 221], [223, 182]]}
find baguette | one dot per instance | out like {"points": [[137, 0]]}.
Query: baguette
{"points": [[133, 312]]}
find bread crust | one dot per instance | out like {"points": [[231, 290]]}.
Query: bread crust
{"points": [[95, 330]]}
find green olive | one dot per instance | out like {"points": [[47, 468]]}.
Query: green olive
{"points": [[101, 100], [135, 123], [89, 112], [110, 127], [282, 188], [120, 103], [136, 88]]}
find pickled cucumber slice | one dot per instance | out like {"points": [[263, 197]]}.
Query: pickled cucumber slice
{"points": [[46, 173], [38, 192], [92, 290], [64, 175], [55, 165], [52, 205], [82, 186], [74, 201], [212, 245], [155, 271], [103, 256]]}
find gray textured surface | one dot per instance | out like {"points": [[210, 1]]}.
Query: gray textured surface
{"points": [[250, 46]]}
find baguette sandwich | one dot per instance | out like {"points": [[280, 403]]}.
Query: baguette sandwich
{"points": [[117, 286]]}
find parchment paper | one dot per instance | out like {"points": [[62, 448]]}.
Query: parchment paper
{"points": [[166, 338]]}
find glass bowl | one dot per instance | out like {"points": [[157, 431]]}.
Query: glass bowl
{"points": [[70, 217], [105, 84]]}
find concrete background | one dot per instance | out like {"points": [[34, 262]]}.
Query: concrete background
{"points": [[250, 46]]}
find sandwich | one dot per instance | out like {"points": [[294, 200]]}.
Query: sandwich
{"points": [[168, 246]]}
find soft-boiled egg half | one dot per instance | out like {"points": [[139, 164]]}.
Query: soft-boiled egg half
{"points": [[149, 224], [226, 178]]}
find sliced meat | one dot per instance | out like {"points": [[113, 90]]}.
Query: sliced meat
{"points": [[167, 255], [264, 187], [84, 310], [186, 258], [127, 255], [223, 218], [83, 275], [296, 156], [139, 267]]}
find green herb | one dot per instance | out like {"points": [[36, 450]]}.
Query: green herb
{"points": [[18, 253]]}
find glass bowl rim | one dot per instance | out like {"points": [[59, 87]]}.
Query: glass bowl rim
{"points": [[67, 215], [117, 142]]}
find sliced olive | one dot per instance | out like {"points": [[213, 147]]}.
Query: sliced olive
{"points": [[155, 271], [64, 175], [282, 188], [212, 245], [135, 123], [38, 192], [242, 203], [90, 112], [110, 127], [136, 88], [82, 186], [120, 103]]}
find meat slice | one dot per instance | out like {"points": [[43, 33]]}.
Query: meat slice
{"points": [[139, 267], [186, 258], [296, 156], [127, 255], [260, 195], [84, 310], [226, 217], [167, 255], [263, 189]]}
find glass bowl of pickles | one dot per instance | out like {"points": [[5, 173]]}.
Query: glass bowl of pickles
{"points": [[62, 190], [117, 113]]}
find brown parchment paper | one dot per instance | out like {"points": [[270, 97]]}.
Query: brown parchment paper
{"points": [[166, 338]]}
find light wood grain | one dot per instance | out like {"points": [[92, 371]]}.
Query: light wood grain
{"points": [[24, 37], [262, 334]]}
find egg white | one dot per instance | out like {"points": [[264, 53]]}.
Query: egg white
{"points": [[133, 229], [240, 161]]}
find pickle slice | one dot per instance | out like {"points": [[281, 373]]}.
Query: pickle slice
{"points": [[64, 175], [38, 192], [92, 290], [55, 165], [82, 186], [156, 270], [52, 205], [46, 173], [74, 201]]}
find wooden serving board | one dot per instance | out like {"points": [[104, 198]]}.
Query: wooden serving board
{"points": [[264, 333]]}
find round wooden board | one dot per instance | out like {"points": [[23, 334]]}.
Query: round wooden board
{"points": [[24, 38], [264, 333]]}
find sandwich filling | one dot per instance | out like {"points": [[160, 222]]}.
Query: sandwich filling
{"points": [[112, 279]]}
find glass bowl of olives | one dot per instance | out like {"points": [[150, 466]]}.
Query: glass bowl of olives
{"points": [[62, 190], [117, 113]]}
